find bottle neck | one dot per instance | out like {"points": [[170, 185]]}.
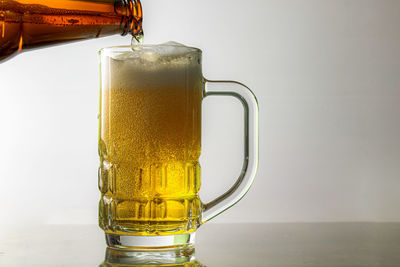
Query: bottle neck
{"points": [[132, 16]]}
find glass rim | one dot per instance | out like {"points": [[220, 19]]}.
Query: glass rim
{"points": [[129, 47]]}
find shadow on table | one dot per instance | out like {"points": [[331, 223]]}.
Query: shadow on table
{"points": [[170, 258]]}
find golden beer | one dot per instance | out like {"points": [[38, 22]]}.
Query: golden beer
{"points": [[149, 143]]}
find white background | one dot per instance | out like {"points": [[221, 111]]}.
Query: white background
{"points": [[327, 77]]}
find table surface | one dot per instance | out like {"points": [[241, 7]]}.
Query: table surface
{"points": [[219, 245]]}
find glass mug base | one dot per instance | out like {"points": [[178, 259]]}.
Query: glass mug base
{"points": [[166, 242], [152, 257]]}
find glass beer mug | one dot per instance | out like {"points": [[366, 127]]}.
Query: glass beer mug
{"points": [[149, 145]]}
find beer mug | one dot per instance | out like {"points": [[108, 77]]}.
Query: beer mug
{"points": [[149, 145]]}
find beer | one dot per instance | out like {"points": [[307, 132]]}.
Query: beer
{"points": [[149, 144], [26, 24]]}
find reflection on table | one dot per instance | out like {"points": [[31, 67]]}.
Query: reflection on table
{"points": [[217, 245]]}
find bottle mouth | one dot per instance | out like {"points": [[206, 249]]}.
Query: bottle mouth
{"points": [[132, 16]]}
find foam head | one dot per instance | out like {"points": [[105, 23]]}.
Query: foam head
{"points": [[154, 66]]}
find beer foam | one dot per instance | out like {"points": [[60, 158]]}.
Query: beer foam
{"points": [[155, 66], [170, 52]]}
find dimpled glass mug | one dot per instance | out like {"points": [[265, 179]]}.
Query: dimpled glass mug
{"points": [[149, 145]]}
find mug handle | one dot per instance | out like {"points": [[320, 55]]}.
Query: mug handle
{"points": [[250, 164]]}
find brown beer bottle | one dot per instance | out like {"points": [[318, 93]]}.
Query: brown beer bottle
{"points": [[26, 24]]}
